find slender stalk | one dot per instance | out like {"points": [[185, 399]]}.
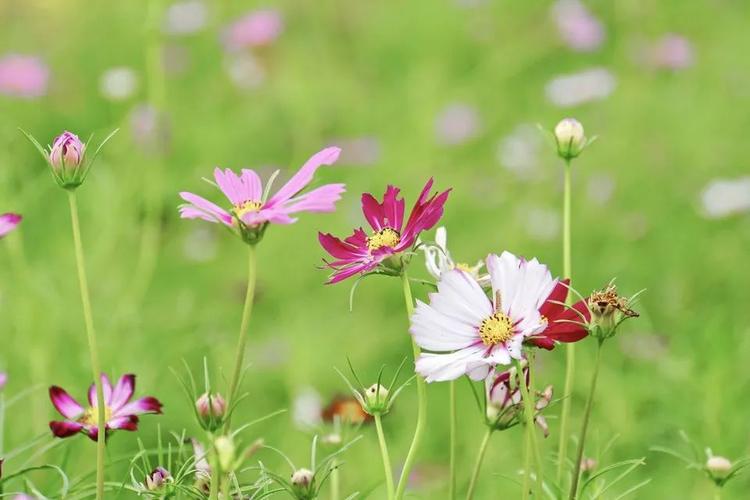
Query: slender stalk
{"points": [[532, 442], [335, 481], [421, 400], [570, 349], [93, 349], [214, 477], [717, 492], [452, 417], [478, 464], [585, 425], [388, 469], [526, 466], [242, 338]]}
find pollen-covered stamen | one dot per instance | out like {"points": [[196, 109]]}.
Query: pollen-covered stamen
{"points": [[246, 207], [91, 415], [496, 329], [462, 266], [386, 237]]}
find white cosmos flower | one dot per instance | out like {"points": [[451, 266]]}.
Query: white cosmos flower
{"points": [[466, 332], [438, 259]]}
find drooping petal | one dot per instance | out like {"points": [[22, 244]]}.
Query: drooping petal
{"points": [[553, 304], [106, 391], [201, 208], [64, 403], [123, 391], [126, 423], [338, 248], [65, 429], [305, 175], [140, 407], [321, 200]]}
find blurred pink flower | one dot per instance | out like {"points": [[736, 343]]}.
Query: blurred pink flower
{"points": [[578, 28], [23, 76], [672, 52], [3, 380], [8, 223], [149, 128], [254, 29], [456, 124]]}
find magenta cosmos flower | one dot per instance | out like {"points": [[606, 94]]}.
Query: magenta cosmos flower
{"points": [[360, 253], [251, 211], [254, 29], [120, 411], [23, 76], [8, 223]]}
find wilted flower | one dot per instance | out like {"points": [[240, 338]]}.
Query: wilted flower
{"points": [[608, 310], [254, 29], [563, 323], [8, 223], [119, 411], [23, 76], [505, 400], [252, 210], [346, 409], [438, 259], [157, 479], [211, 409], [360, 253], [578, 88], [578, 28], [570, 138], [469, 333]]}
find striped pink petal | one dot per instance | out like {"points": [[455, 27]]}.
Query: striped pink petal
{"points": [[65, 429], [64, 403]]}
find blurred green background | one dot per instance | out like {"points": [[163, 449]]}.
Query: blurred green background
{"points": [[409, 90]]}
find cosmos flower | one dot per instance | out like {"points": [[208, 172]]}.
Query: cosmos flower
{"points": [[438, 259], [563, 324], [470, 334], [8, 223], [578, 28], [254, 29], [360, 253], [23, 76], [120, 412], [504, 400], [252, 209]]}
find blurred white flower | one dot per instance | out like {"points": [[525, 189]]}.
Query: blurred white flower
{"points": [[541, 224], [578, 88], [644, 346], [438, 259], [600, 188], [149, 129], [307, 409], [456, 124], [245, 71], [519, 151], [359, 151], [119, 83], [186, 17], [200, 244], [725, 197], [578, 28]]}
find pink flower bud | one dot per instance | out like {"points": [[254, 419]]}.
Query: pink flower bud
{"points": [[157, 479], [211, 405], [67, 152]]}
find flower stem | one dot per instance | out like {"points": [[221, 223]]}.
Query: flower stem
{"points": [[388, 469], [335, 481], [526, 466], [421, 400], [242, 339], [214, 476], [532, 442], [570, 353], [93, 349], [478, 464], [452, 417], [585, 425], [717, 492]]}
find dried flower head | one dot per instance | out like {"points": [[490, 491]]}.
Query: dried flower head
{"points": [[608, 310]]}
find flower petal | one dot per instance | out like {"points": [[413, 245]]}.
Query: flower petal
{"points": [[126, 423], [304, 176], [64, 403], [140, 406], [65, 429], [106, 391], [443, 367], [8, 223], [123, 391], [201, 208]]}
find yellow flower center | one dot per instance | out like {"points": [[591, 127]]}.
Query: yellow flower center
{"points": [[246, 207], [91, 416], [386, 237], [496, 329], [462, 266]]}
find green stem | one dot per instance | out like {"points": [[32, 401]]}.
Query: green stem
{"points": [[717, 492], [387, 468], [421, 399], [452, 417], [335, 481], [242, 339], [585, 425], [570, 353], [478, 464], [93, 349], [528, 412], [526, 466], [214, 477]]}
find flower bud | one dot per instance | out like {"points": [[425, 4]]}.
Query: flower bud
{"points": [[67, 152], [588, 464], [376, 395], [157, 479], [225, 451], [302, 479], [718, 466], [570, 138], [211, 409]]}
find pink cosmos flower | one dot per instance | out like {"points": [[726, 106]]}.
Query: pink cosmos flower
{"points": [[8, 223], [578, 28], [254, 29], [251, 210], [360, 253], [121, 413], [470, 334], [23, 76]]}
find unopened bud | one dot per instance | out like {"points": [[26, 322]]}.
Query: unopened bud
{"points": [[570, 138], [67, 152], [376, 394], [718, 466], [588, 464], [157, 479], [211, 409], [225, 451], [302, 479]]}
